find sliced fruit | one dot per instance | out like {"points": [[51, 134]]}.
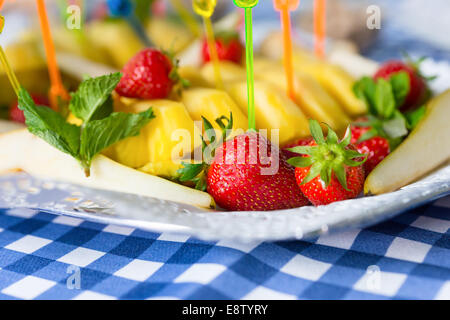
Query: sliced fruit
{"points": [[6, 126], [229, 71], [337, 82], [333, 78], [116, 38], [426, 148], [49, 163], [169, 35], [356, 65], [312, 99], [192, 75], [213, 104], [171, 135], [77, 43], [274, 110]]}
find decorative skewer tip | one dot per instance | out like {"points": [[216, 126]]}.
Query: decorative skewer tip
{"points": [[290, 5], [246, 4]]}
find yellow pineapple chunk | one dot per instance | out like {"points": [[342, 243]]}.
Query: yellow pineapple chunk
{"points": [[116, 39], [169, 35], [212, 104], [194, 77], [229, 71], [338, 82], [274, 110], [313, 100], [168, 138]]}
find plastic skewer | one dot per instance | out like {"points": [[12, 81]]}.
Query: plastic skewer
{"points": [[205, 9], [248, 5], [3, 59], [319, 27], [57, 90], [285, 7]]}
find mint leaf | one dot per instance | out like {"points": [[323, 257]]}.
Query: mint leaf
{"points": [[98, 135], [190, 171], [414, 117], [400, 86], [364, 90], [90, 101], [384, 99], [396, 127], [49, 125]]}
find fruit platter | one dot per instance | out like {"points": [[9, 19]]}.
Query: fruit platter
{"points": [[208, 134]]}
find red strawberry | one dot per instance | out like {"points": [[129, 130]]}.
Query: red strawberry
{"points": [[298, 143], [148, 75], [15, 114], [228, 47], [249, 173], [418, 86], [377, 148], [332, 170]]}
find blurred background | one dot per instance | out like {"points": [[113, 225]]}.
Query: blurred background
{"points": [[419, 27]]}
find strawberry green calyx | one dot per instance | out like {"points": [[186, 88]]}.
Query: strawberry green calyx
{"points": [[328, 156], [179, 82], [196, 172]]}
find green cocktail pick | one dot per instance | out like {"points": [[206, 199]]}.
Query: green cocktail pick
{"points": [[248, 5]]}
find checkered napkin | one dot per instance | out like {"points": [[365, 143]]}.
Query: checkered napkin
{"points": [[44, 256]]}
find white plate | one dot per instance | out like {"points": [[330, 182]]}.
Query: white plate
{"points": [[23, 191]]}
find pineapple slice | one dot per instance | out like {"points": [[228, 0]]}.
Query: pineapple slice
{"points": [[116, 38], [169, 137], [212, 104], [71, 41], [229, 71], [274, 110], [313, 100], [333, 78], [174, 38], [338, 82], [194, 77]]}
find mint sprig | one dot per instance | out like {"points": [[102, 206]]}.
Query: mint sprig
{"points": [[101, 127], [383, 99], [196, 172]]}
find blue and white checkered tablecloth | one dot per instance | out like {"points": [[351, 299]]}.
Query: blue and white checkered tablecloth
{"points": [[43, 256]]}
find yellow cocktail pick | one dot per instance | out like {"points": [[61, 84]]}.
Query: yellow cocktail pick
{"points": [[285, 7], [9, 72], [248, 6], [57, 91], [205, 9]]}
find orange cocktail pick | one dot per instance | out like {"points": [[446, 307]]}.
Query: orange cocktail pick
{"points": [[2, 2], [319, 27], [57, 90], [285, 7]]}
